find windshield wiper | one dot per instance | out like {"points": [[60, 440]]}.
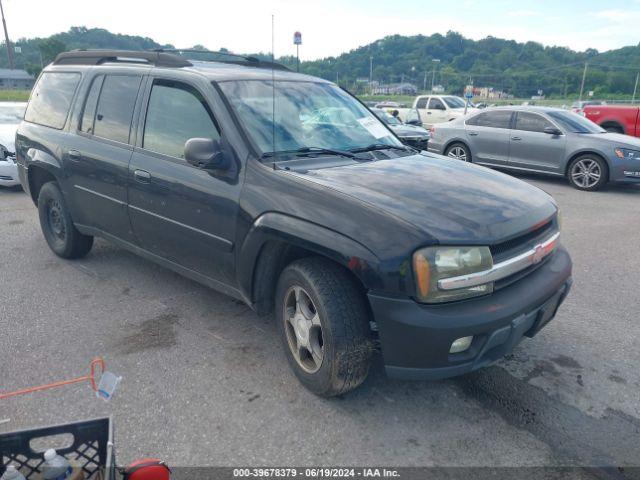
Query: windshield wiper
{"points": [[310, 150], [381, 146]]}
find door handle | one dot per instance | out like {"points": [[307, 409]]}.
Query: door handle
{"points": [[428, 113], [473, 134], [142, 176], [516, 138], [74, 155]]}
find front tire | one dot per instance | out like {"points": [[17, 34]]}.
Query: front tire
{"points": [[588, 172], [61, 235], [458, 151], [324, 326]]}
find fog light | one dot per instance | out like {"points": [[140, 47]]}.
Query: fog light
{"points": [[461, 344]]}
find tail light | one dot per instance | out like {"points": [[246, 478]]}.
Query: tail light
{"points": [[432, 131]]}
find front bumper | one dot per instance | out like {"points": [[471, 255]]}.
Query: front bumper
{"points": [[416, 338], [624, 171], [9, 173]]}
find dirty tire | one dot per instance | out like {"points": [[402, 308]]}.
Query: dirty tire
{"points": [[344, 320], [59, 231]]}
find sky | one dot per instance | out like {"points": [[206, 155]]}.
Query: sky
{"points": [[331, 27]]}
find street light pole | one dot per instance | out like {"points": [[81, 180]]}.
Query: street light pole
{"points": [[635, 89], [6, 38], [433, 77]]}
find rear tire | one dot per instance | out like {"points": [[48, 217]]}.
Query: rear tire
{"points": [[458, 151], [588, 172], [61, 235], [324, 326]]}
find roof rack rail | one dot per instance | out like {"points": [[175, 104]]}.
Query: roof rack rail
{"points": [[97, 57], [234, 58]]}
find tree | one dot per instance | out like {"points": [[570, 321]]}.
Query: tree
{"points": [[50, 48]]}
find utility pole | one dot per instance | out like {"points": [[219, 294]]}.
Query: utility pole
{"points": [[6, 39], [371, 73], [635, 89], [424, 86], [584, 76]]}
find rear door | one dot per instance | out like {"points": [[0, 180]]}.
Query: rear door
{"points": [[488, 135], [531, 148], [98, 158], [181, 213]]}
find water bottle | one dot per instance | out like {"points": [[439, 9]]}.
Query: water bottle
{"points": [[12, 474], [55, 467]]}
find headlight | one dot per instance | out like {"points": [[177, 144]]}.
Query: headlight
{"points": [[435, 263], [627, 154]]}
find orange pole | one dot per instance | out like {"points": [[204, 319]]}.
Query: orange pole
{"points": [[95, 363]]}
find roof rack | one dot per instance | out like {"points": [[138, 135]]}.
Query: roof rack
{"points": [[234, 58], [98, 57]]}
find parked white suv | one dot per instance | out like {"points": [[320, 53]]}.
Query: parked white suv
{"points": [[432, 109]]}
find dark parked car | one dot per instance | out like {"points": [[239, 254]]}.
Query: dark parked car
{"points": [[412, 135], [543, 140], [352, 239]]}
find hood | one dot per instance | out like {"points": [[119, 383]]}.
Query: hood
{"points": [[620, 140], [409, 131], [8, 136], [451, 201]]}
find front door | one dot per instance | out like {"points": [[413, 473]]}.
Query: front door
{"points": [[436, 111], [531, 148], [181, 213]]}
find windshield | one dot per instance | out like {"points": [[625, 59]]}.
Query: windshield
{"points": [[11, 115], [386, 117], [575, 123], [307, 115], [454, 102]]}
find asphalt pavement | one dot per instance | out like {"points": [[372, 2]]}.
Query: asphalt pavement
{"points": [[205, 381]]}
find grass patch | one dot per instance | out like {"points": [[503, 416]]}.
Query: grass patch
{"points": [[14, 95]]}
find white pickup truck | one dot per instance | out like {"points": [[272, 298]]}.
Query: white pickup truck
{"points": [[428, 110]]}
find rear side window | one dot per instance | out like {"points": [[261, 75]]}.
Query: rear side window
{"points": [[495, 119], [51, 99], [176, 113], [90, 105], [422, 103], [531, 122], [115, 107]]}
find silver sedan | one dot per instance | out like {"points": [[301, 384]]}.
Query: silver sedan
{"points": [[542, 140]]}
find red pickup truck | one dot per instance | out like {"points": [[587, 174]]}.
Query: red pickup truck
{"points": [[615, 118]]}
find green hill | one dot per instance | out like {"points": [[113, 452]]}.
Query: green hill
{"points": [[520, 69]]}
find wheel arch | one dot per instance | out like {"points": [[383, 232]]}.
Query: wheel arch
{"points": [[613, 124], [275, 240], [37, 175]]}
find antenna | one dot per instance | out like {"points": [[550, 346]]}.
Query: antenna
{"points": [[273, 89]]}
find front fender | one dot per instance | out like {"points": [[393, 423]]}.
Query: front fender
{"points": [[297, 232]]}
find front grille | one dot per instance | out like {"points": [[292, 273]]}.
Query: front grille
{"points": [[512, 247]]}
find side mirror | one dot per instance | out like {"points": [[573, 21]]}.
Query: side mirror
{"points": [[552, 131], [205, 153]]}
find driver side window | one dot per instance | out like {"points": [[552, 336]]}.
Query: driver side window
{"points": [[436, 104], [176, 113]]}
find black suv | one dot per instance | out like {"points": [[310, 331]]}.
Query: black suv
{"points": [[284, 191]]}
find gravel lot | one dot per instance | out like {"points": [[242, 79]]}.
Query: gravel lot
{"points": [[205, 381]]}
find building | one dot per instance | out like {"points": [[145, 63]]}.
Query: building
{"points": [[15, 79], [394, 89]]}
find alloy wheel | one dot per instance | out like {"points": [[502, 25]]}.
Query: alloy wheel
{"points": [[458, 153], [303, 329], [586, 173], [55, 219]]}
